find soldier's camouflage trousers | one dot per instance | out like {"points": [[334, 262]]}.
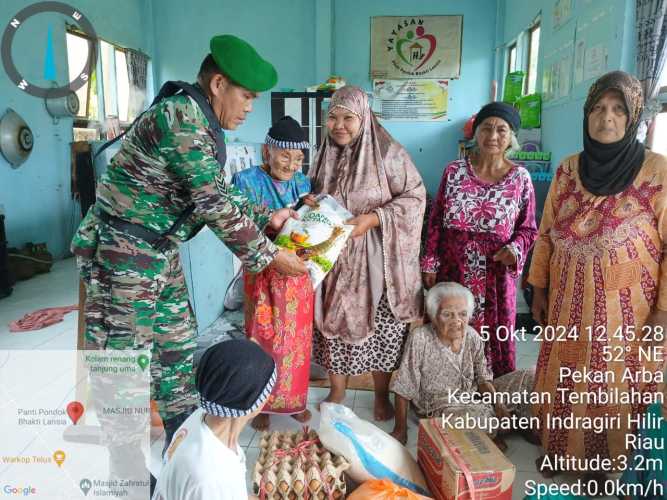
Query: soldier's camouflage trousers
{"points": [[136, 298]]}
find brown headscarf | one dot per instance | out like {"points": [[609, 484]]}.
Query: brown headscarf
{"points": [[373, 173], [608, 169]]}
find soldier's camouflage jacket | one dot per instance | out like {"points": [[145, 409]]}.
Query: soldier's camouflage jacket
{"points": [[166, 162]]}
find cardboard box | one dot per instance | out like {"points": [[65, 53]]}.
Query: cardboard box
{"points": [[450, 458]]}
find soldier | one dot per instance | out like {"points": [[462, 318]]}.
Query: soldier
{"points": [[163, 185]]}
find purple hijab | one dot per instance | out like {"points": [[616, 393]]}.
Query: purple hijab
{"points": [[373, 173]]}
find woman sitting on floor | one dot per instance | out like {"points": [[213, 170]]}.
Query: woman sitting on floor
{"points": [[444, 363]]}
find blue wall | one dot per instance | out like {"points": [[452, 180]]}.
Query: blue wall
{"points": [[562, 122], [431, 145], [306, 40], [282, 32], [36, 197]]}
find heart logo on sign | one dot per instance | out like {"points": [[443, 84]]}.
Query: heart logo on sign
{"points": [[416, 51]]}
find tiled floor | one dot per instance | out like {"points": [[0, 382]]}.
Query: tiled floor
{"points": [[60, 288], [55, 289]]}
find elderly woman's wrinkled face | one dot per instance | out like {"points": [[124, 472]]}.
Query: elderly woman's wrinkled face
{"points": [[343, 125], [452, 318], [494, 136], [283, 163], [608, 118]]}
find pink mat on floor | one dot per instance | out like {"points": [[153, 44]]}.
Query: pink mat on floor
{"points": [[41, 318]]}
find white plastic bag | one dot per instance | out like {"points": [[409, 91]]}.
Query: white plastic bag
{"points": [[318, 236], [373, 453]]}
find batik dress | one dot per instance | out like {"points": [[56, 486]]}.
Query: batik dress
{"points": [[601, 260], [470, 221], [279, 308]]}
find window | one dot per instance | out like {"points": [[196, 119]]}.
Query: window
{"points": [[115, 82], [107, 93], [658, 140], [533, 52], [511, 57], [77, 55]]}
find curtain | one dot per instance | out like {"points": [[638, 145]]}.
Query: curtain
{"points": [[651, 53], [137, 67]]}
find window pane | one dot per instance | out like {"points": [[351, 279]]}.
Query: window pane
{"points": [[512, 61], [93, 99], [109, 79], [77, 54], [122, 86], [532, 63], [660, 134], [663, 78]]}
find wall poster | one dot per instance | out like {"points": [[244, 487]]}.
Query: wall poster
{"points": [[410, 100], [416, 47]]}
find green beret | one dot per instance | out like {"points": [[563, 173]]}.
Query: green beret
{"points": [[240, 62]]}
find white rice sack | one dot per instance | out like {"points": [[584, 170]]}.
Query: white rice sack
{"points": [[318, 236], [373, 453]]}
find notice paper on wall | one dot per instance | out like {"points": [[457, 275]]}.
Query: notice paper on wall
{"points": [[239, 157], [595, 61], [579, 52], [562, 13], [410, 100], [558, 64], [564, 82]]}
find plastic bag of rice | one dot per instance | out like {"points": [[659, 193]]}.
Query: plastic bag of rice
{"points": [[318, 237]]}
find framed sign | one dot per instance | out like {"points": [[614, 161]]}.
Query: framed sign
{"points": [[410, 100], [416, 47]]}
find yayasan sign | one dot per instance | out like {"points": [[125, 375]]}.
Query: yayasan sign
{"points": [[416, 47]]}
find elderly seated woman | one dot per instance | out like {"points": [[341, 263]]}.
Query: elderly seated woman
{"points": [[444, 364]]}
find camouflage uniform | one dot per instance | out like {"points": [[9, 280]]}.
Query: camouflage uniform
{"points": [[136, 296]]}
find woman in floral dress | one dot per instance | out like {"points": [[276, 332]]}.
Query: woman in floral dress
{"points": [[481, 228], [279, 308]]}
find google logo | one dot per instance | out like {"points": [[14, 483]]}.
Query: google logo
{"points": [[23, 491]]}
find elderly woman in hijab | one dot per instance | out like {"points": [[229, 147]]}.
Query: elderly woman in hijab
{"points": [[481, 228], [364, 305], [600, 275], [444, 365]]}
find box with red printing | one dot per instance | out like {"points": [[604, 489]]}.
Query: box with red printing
{"points": [[451, 459]]}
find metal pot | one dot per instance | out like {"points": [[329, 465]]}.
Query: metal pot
{"points": [[16, 139]]}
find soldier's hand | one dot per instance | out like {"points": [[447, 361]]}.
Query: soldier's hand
{"points": [[289, 264], [279, 217]]}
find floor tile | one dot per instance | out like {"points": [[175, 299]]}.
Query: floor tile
{"points": [[58, 288], [246, 436], [251, 456], [366, 399], [526, 362], [521, 453], [317, 394]]}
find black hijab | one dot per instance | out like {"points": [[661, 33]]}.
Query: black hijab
{"points": [[608, 169]]}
